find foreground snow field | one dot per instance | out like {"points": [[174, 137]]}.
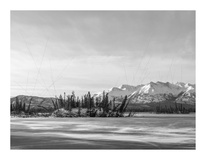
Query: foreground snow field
{"points": [[143, 132]]}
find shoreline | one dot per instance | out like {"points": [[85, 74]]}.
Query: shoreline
{"points": [[137, 115]]}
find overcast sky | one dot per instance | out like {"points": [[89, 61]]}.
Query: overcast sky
{"points": [[53, 52]]}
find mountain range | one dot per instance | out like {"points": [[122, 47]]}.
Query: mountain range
{"points": [[154, 93], [144, 95]]}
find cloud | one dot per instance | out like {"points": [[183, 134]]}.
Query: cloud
{"points": [[99, 47]]}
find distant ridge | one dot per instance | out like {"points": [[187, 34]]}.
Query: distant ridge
{"points": [[150, 93], [179, 92]]}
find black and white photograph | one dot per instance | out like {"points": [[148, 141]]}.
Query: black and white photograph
{"points": [[103, 80]]}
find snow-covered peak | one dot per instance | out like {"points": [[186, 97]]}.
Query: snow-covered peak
{"points": [[185, 85], [161, 88], [114, 89], [155, 89], [127, 87], [181, 84]]}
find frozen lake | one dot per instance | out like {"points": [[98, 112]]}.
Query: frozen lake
{"points": [[141, 132]]}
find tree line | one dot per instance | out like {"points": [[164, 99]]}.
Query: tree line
{"points": [[94, 106]]}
